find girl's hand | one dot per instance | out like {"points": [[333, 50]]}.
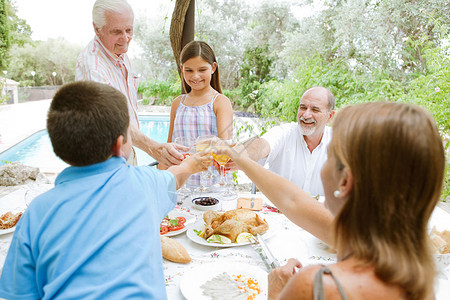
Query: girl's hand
{"points": [[279, 277]]}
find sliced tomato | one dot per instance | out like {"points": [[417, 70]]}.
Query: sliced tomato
{"points": [[163, 229], [175, 228], [181, 220]]}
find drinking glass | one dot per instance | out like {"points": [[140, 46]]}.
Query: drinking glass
{"points": [[222, 160], [203, 142], [184, 191]]}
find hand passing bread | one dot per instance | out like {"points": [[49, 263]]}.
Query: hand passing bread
{"points": [[174, 251]]}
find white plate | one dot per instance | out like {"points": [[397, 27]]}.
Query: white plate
{"points": [[200, 225], [193, 279], [6, 231], [176, 213]]}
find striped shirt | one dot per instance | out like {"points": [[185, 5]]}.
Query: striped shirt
{"points": [[97, 63]]}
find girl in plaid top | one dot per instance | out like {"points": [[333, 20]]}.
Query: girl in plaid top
{"points": [[203, 110]]}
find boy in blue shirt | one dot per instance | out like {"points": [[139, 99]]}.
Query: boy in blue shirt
{"points": [[95, 235]]}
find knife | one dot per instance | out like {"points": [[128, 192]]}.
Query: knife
{"points": [[257, 247], [252, 203], [271, 260]]}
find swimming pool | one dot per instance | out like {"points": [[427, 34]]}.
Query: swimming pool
{"points": [[37, 151]]}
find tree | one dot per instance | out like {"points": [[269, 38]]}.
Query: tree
{"points": [[4, 36], [230, 27], [382, 35], [44, 58], [181, 28], [19, 30]]}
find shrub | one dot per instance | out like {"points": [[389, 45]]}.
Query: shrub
{"points": [[159, 92]]}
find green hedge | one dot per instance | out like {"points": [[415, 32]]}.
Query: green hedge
{"points": [[159, 92]]}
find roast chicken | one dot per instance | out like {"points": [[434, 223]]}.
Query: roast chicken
{"points": [[234, 222]]}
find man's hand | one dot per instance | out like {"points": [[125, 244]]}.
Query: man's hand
{"points": [[279, 277], [168, 153]]}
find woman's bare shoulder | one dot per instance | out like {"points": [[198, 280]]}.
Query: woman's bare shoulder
{"points": [[301, 285], [357, 280]]}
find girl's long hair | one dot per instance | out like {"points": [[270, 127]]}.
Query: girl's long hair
{"points": [[202, 49], [396, 156]]}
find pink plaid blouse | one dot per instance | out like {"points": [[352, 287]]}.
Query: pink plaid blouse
{"points": [[194, 121]]}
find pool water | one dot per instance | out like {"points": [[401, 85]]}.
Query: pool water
{"points": [[37, 150]]}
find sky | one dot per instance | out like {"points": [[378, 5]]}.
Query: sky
{"points": [[72, 19]]}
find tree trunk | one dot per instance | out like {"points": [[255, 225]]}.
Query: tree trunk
{"points": [[182, 29]]}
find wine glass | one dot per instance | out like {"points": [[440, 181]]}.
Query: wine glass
{"points": [[184, 191], [222, 160], [202, 143]]}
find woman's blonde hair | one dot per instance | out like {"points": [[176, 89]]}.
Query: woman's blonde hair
{"points": [[396, 156]]}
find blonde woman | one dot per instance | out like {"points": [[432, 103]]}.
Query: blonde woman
{"points": [[382, 180]]}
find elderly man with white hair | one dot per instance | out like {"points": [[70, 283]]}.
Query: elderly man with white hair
{"points": [[105, 60], [297, 151]]}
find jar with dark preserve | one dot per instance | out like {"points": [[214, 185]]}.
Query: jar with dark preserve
{"points": [[206, 201]]}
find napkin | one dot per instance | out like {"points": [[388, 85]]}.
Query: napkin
{"points": [[247, 203]]}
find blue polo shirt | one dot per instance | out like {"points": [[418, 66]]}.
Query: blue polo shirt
{"points": [[95, 235]]}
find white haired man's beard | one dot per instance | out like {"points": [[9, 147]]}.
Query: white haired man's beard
{"points": [[307, 130]]}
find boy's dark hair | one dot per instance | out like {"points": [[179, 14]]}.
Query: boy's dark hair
{"points": [[84, 121]]}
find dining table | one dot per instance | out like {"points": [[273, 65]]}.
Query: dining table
{"points": [[284, 239]]}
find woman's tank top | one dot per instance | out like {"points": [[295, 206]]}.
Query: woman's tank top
{"points": [[319, 292]]}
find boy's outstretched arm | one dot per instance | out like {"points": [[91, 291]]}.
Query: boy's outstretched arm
{"points": [[192, 164]]}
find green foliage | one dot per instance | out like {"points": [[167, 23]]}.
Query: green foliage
{"points": [[53, 55], [255, 70], [159, 92], [432, 89], [19, 30], [4, 36], [446, 188]]}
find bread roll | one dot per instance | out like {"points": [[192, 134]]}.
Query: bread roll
{"points": [[174, 251]]}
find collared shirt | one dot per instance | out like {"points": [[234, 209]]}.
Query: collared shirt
{"points": [[95, 235], [290, 157], [97, 63]]}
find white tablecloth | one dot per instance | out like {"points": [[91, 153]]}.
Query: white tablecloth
{"points": [[288, 241]]}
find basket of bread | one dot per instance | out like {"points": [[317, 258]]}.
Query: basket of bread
{"points": [[441, 244]]}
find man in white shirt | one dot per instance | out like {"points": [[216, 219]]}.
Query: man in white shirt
{"points": [[297, 151], [105, 60]]}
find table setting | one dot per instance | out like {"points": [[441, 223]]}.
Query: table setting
{"points": [[283, 240], [298, 242]]}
